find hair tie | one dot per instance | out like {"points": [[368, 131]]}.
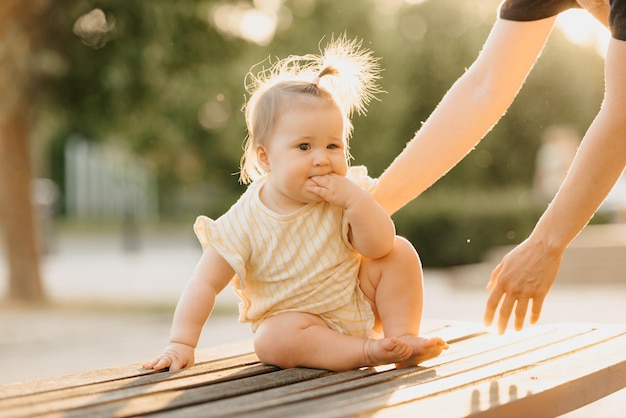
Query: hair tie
{"points": [[316, 81]]}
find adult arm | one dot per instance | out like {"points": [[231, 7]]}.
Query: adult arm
{"points": [[528, 271], [467, 112]]}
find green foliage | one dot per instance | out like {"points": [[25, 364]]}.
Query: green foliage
{"points": [[169, 86], [144, 89], [455, 227]]}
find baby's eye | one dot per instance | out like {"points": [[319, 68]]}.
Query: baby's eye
{"points": [[332, 146], [304, 147]]}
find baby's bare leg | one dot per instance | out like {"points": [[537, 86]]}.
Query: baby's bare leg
{"points": [[302, 340], [394, 286]]}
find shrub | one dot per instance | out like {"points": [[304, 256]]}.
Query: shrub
{"points": [[456, 227]]}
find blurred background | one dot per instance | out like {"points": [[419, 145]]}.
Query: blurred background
{"points": [[120, 122]]}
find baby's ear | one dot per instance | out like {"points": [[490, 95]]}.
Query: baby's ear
{"points": [[262, 158]]}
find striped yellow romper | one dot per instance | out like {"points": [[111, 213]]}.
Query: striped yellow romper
{"points": [[300, 262]]}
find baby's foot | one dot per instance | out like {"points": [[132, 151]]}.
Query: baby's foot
{"points": [[422, 349], [385, 351]]}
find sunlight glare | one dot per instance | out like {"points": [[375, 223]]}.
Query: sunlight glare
{"points": [[246, 22], [258, 26], [583, 29], [392, 7]]}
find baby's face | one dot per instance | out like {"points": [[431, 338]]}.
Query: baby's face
{"points": [[307, 140]]}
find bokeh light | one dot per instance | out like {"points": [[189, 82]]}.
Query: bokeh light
{"points": [[581, 28]]}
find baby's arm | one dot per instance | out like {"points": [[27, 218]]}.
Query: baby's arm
{"points": [[371, 230], [211, 275]]}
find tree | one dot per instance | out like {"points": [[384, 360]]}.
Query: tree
{"points": [[20, 29], [163, 80]]}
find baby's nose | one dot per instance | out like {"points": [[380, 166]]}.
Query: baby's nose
{"points": [[320, 158]]}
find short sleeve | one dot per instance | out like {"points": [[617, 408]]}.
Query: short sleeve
{"points": [[617, 19], [358, 174], [224, 239], [529, 10]]}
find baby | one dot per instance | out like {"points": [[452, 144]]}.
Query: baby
{"points": [[324, 282]]}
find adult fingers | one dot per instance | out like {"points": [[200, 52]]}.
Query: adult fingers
{"points": [[494, 277], [505, 313], [536, 308], [492, 304], [521, 308], [494, 297]]}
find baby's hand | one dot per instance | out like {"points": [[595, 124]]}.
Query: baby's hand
{"points": [[176, 356], [336, 189]]}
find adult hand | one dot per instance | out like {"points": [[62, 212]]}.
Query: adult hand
{"points": [[526, 273]]}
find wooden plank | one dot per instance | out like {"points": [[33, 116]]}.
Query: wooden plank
{"points": [[432, 382], [319, 388], [475, 369], [123, 389], [192, 395], [78, 391], [486, 343], [549, 389], [223, 352], [221, 368]]}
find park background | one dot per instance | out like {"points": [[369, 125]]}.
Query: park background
{"points": [[121, 122]]}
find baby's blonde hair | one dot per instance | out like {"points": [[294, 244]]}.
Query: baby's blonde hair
{"points": [[345, 74]]}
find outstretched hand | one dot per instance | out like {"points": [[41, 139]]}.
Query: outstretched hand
{"points": [[526, 273], [176, 356]]}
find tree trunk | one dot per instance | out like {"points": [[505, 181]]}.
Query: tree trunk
{"points": [[19, 226], [18, 29]]}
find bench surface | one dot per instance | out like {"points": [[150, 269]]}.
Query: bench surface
{"points": [[542, 371]]}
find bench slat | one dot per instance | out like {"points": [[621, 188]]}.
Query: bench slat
{"points": [[536, 367], [547, 390], [224, 354], [463, 350], [119, 384], [424, 385], [122, 390]]}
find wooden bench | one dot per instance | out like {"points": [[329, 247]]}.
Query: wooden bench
{"points": [[543, 371]]}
